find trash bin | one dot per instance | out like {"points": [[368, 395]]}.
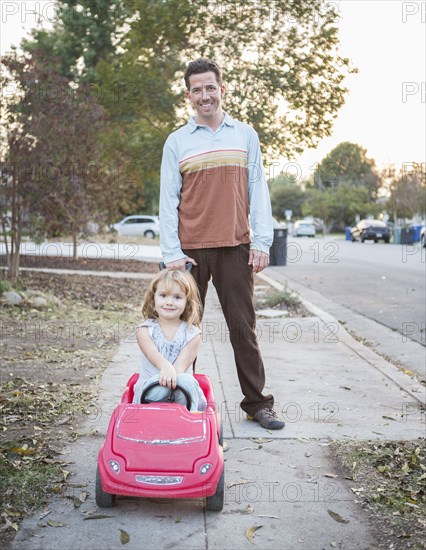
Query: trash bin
{"points": [[417, 229], [348, 235], [278, 250], [407, 235]]}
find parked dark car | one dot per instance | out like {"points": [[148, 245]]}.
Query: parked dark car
{"points": [[370, 230]]}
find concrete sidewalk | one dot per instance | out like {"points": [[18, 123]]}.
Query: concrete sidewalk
{"points": [[327, 386]]}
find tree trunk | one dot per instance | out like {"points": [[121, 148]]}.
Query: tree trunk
{"points": [[15, 233], [75, 243]]}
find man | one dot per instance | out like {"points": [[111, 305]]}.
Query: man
{"points": [[211, 178]]}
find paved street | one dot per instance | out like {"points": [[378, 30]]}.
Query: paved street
{"points": [[384, 282]]}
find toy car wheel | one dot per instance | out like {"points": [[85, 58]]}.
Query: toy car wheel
{"points": [[221, 435], [215, 502], [103, 500]]}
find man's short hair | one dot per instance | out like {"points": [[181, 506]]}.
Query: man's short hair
{"points": [[202, 65]]}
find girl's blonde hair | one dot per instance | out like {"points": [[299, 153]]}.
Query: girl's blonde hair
{"points": [[193, 310]]}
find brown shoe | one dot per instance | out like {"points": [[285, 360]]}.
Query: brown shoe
{"points": [[268, 419]]}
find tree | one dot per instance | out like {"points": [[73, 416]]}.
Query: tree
{"points": [[52, 148], [280, 59], [286, 195], [338, 205], [407, 193], [348, 165], [85, 32]]}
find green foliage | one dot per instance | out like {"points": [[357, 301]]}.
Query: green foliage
{"points": [[348, 165], [283, 73], [340, 204], [287, 197], [84, 33], [281, 298], [25, 480], [5, 286]]}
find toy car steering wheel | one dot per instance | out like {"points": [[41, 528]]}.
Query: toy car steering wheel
{"points": [[170, 398]]}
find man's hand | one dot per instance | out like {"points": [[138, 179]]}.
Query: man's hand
{"points": [[180, 264], [168, 376], [258, 260]]}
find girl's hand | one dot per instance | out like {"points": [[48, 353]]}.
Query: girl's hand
{"points": [[168, 376]]}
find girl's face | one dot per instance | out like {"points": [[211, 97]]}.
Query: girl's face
{"points": [[169, 303]]}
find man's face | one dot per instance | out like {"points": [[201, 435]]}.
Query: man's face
{"points": [[206, 95]]}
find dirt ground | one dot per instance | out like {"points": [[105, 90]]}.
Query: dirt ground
{"points": [[100, 264], [52, 358]]}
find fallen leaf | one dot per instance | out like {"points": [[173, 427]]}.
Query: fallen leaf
{"points": [[261, 440], [54, 523], [250, 532], [77, 502], [304, 439], [83, 496], [90, 512], [389, 417], [24, 450], [65, 473], [267, 516], [225, 446], [248, 510], [331, 475], [124, 537], [178, 520], [337, 517]]}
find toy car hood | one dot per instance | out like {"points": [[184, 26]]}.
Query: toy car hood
{"points": [[138, 429]]}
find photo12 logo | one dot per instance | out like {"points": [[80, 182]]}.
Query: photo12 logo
{"points": [[413, 11], [28, 12]]}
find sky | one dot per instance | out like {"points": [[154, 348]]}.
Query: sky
{"points": [[385, 107]]}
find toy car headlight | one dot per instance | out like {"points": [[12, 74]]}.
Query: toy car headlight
{"points": [[205, 468], [115, 466]]}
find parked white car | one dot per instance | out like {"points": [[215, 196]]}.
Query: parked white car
{"points": [[302, 228], [138, 226]]}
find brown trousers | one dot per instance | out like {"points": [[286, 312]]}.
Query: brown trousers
{"points": [[233, 279]]}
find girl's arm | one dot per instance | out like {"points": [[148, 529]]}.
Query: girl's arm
{"points": [[187, 356], [149, 349]]}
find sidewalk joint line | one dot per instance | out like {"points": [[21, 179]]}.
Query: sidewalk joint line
{"points": [[221, 385]]}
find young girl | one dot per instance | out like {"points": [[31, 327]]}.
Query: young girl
{"points": [[169, 338]]}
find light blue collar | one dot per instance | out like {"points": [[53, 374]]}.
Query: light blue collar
{"points": [[193, 125]]}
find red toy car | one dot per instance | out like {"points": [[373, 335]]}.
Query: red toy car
{"points": [[162, 450]]}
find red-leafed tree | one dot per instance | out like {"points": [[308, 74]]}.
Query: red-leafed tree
{"points": [[51, 175]]}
